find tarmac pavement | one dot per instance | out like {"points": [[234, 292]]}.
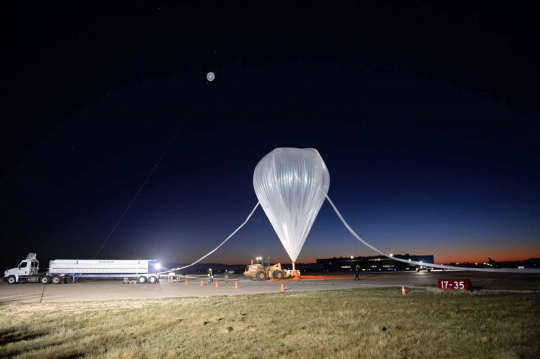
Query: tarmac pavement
{"points": [[100, 290]]}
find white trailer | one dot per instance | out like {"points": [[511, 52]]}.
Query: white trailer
{"points": [[70, 270]]}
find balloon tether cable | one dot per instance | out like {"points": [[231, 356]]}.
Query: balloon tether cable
{"points": [[414, 262], [222, 243], [147, 178]]}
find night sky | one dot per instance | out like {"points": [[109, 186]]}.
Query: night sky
{"points": [[427, 117]]}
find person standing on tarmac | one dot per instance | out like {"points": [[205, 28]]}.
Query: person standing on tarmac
{"points": [[210, 275], [357, 271], [226, 275]]}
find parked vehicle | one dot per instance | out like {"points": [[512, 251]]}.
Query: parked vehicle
{"points": [[70, 270], [263, 270]]}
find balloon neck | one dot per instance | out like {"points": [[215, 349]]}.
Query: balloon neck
{"points": [[292, 265]]}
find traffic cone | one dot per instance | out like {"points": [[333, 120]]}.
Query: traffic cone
{"points": [[282, 288], [403, 290], [186, 283], [202, 283], [217, 284], [236, 285]]}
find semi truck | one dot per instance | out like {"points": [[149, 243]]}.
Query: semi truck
{"points": [[70, 270]]}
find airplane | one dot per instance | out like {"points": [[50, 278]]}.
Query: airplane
{"points": [[508, 264]]}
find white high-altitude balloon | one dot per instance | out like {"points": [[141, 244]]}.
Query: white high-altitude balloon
{"points": [[210, 76], [291, 185]]}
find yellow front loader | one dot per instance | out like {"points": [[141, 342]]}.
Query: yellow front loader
{"points": [[263, 270]]}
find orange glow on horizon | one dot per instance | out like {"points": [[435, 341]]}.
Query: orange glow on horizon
{"points": [[455, 256], [497, 254]]}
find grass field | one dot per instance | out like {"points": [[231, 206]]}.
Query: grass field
{"points": [[360, 323]]}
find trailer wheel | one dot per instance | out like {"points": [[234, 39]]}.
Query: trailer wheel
{"points": [[11, 280], [260, 275], [142, 280], [278, 275], [152, 280], [44, 280]]}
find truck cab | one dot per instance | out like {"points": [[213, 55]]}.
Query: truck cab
{"points": [[28, 267]]}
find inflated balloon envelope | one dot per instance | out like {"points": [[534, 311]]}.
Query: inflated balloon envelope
{"points": [[291, 185]]}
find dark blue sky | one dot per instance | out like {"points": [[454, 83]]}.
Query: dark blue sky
{"points": [[427, 118]]}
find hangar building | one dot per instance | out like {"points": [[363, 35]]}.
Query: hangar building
{"points": [[376, 263]]}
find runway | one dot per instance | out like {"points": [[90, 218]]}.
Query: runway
{"points": [[104, 290]]}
